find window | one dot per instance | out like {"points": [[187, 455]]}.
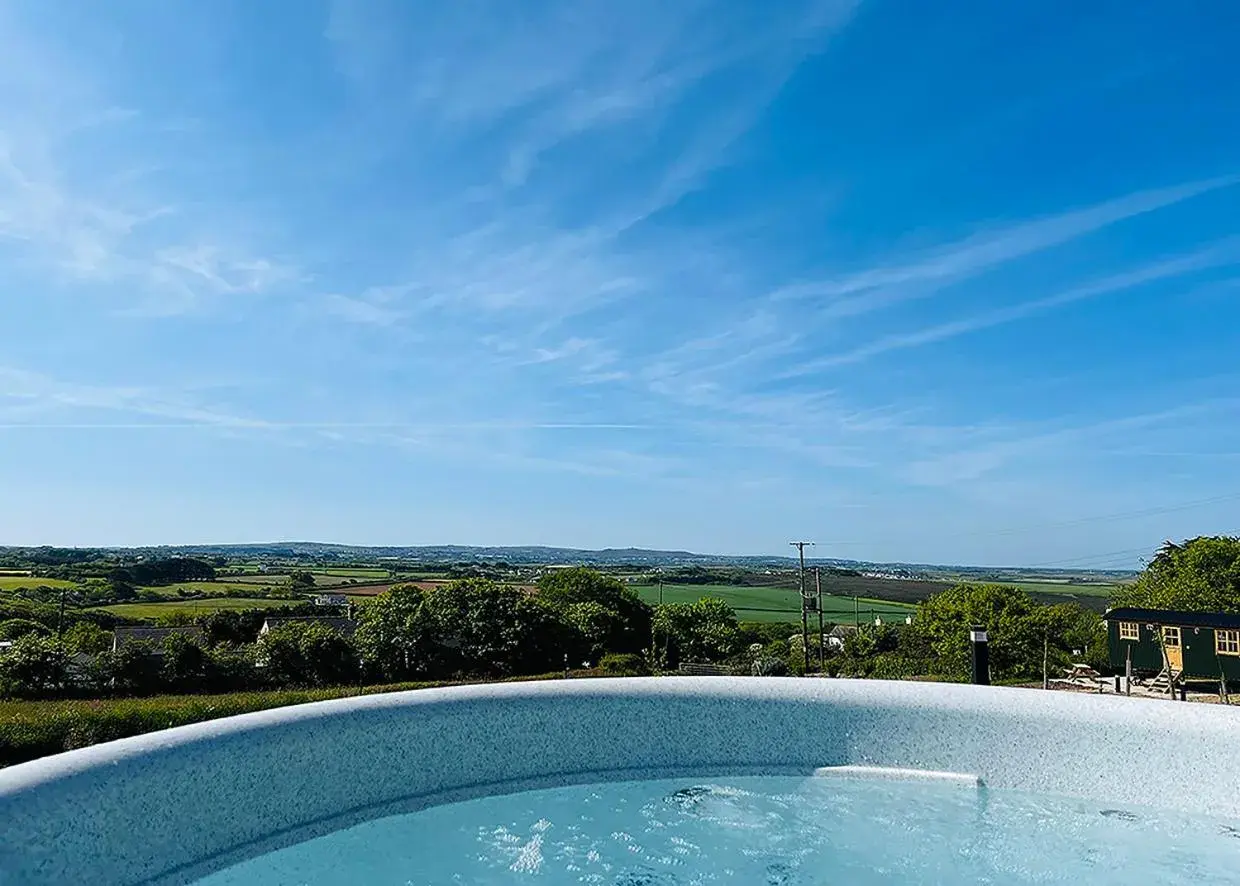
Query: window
{"points": [[1171, 637], [1227, 642], [1129, 630]]}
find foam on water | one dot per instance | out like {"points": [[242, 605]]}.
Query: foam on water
{"points": [[762, 831]]}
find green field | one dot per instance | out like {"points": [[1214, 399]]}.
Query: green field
{"points": [[206, 587], [192, 607], [366, 572], [1068, 590], [12, 582], [775, 604]]}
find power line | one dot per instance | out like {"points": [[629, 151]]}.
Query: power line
{"points": [[1122, 515], [1089, 558]]}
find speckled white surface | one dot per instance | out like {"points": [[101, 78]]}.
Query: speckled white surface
{"points": [[171, 806]]}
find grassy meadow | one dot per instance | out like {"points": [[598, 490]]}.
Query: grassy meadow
{"points": [[13, 582], [193, 607], [775, 604]]}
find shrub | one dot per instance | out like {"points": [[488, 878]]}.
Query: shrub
{"points": [[624, 664], [20, 627], [32, 666], [770, 667]]}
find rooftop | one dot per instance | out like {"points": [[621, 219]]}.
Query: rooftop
{"points": [[1228, 620]]}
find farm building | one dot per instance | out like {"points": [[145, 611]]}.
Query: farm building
{"points": [[345, 627], [1192, 645]]}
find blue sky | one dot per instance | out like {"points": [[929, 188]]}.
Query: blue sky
{"points": [[924, 282]]}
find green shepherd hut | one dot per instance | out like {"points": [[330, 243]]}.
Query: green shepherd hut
{"points": [[1191, 645]]}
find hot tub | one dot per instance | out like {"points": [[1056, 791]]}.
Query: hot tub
{"points": [[644, 782]]}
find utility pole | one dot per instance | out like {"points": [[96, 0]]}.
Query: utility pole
{"points": [[800, 546], [822, 642]]}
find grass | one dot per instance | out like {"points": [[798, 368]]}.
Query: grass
{"points": [[13, 582], [205, 587], [1067, 590], [192, 607], [774, 604], [352, 572], [33, 729]]}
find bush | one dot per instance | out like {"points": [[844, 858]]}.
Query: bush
{"points": [[624, 664], [306, 655], [31, 667], [770, 667], [20, 627]]}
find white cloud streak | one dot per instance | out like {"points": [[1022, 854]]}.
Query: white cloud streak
{"points": [[1225, 253], [880, 287]]}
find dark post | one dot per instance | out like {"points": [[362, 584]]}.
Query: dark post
{"points": [[800, 546], [981, 655]]}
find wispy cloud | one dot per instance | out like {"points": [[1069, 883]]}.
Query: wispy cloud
{"points": [[880, 287], [615, 64], [37, 391], [1225, 253], [968, 463], [95, 221]]}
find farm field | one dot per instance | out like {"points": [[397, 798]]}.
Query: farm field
{"points": [[363, 590], [377, 589], [173, 591], [1067, 590], [352, 572], [13, 582], [774, 604], [192, 607]]}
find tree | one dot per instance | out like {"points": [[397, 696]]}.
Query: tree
{"points": [[232, 627], [481, 627], [87, 638], [278, 653], [630, 622], [394, 637], [32, 667], [184, 661], [301, 580], [702, 631], [136, 668], [596, 624], [163, 572], [306, 654], [328, 658], [231, 668], [15, 628], [1200, 575], [1017, 629]]}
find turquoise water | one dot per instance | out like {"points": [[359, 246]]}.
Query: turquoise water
{"points": [[768, 831]]}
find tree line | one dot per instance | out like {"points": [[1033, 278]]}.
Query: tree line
{"points": [[579, 617]]}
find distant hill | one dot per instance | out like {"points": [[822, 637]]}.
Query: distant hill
{"points": [[529, 555]]}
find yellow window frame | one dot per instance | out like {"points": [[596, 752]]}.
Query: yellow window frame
{"points": [[1227, 642], [1129, 630]]}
